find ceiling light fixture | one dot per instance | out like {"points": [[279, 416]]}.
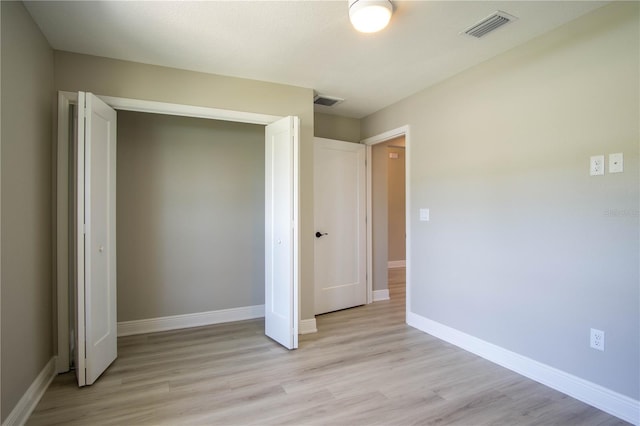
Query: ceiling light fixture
{"points": [[370, 16]]}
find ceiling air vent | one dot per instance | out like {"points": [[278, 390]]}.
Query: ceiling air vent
{"points": [[488, 24], [328, 101]]}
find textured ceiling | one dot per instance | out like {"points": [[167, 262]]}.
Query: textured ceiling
{"points": [[301, 43]]}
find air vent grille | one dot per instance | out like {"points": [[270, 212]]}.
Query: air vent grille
{"points": [[489, 24], [328, 101]]}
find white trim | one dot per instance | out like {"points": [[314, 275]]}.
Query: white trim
{"points": [[25, 406], [369, 223], [307, 326], [80, 233], [153, 107], [407, 174], [396, 264], [65, 99], [296, 298], [600, 397], [175, 322], [390, 134], [380, 295]]}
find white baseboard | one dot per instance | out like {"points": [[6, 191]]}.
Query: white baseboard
{"points": [[379, 295], [25, 406], [396, 264], [600, 397], [307, 326], [152, 325], [176, 322]]}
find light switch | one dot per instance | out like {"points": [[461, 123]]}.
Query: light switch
{"points": [[616, 163], [424, 215]]}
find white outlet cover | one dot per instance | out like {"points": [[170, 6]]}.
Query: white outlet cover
{"points": [[616, 163], [596, 165], [424, 215], [597, 339]]}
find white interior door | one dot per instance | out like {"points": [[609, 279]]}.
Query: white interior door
{"points": [[96, 324], [281, 231], [340, 211]]}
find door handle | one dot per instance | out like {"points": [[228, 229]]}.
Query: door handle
{"points": [[321, 234]]}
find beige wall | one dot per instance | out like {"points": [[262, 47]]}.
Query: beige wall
{"points": [[336, 127], [190, 215], [27, 100], [110, 77], [524, 249], [396, 201]]}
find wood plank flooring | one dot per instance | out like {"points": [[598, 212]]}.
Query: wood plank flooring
{"points": [[364, 366]]}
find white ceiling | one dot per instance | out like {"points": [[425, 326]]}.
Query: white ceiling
{"points": [[301, 43]]}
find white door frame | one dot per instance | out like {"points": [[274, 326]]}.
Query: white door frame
{"points": [[369, 142], [65, 99]]}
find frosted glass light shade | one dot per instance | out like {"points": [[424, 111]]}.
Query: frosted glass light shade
{"points": [[370, 16]]}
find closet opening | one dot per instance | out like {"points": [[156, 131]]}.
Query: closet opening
{"points": [[198, 212]]}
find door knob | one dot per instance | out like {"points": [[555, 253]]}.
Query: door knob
{"points": [[321, 234]]}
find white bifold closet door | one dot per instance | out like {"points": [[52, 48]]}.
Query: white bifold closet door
{"points": [[281, 231], [96, 323]]}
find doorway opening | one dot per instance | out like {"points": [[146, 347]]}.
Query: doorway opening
{"points": [[388, 217], [388, 212]]}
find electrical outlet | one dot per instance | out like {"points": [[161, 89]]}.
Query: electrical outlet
{"points": [[597, 339], [596, 165]]}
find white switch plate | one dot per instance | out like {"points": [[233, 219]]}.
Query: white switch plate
{"points": [[596, 165], [424, 215], [616, 163]]}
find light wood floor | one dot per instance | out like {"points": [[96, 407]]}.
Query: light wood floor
{"points": [[364, 366]]}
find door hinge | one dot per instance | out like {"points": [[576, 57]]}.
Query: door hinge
{"points": [[84, 228]]}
